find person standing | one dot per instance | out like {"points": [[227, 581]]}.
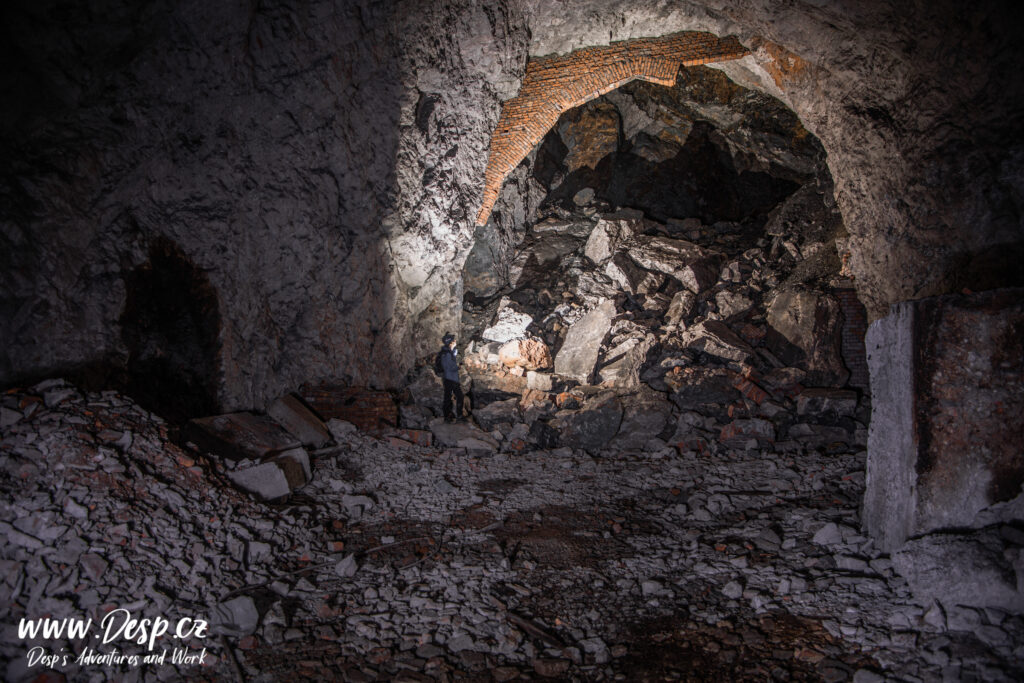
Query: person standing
{"points": [[447, 360]]}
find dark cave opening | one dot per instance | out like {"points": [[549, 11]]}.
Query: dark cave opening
{"points": [[699, 181], [171, 326]]}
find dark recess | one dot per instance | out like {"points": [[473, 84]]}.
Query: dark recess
{"points": [[170, 326]]}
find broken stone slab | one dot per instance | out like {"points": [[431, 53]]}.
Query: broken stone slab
{"points": [[805, 331], [680, 308], [572, 226], [295, 465], [694, 267], [624, 371], [591, 426], [347, 567], [234, 618], [962, 569], [631, 278], [356, 506], [530, 354], [540, 381], [732, 304], [239, 436], [578, 355], [339, 429], [462, 435], [819, 401], [299, 420], [270, 480], [714, 337], [944, 441], [607, 235]]}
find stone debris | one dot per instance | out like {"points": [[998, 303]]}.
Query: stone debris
{"points": [[419, 562], [289, 412], [239, 436]]}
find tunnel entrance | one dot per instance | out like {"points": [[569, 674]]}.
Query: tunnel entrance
{"points": [[171, 326]]}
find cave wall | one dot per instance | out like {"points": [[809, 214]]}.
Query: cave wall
{"points": [[319, 163]]}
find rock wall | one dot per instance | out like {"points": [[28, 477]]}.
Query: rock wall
{"points": [[319, 164]]}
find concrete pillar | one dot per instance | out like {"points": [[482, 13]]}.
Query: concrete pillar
{"points": [[946, 440]]}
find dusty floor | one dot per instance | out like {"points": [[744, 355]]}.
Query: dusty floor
{"points": [[441, 564]]}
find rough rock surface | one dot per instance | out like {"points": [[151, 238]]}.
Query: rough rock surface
{"points": [[327, 199]]}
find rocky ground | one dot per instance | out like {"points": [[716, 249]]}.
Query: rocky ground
{"points": [[406, 562]]}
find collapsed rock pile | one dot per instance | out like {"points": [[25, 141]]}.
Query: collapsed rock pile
{"points": [[614, 326], [405, 562]]}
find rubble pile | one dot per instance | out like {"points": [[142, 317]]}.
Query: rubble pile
{"points": [[614, 326], [400, 561]]}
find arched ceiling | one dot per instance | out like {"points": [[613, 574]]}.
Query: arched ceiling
{"points": [[553, 85]]}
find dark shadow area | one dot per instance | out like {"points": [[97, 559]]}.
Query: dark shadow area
{"points": [[700, 181], [170, 325]]}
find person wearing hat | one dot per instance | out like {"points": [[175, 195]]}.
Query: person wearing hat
{"points": [[447, 361]]}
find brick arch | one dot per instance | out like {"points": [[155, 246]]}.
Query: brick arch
{"points": [[553, 85]]}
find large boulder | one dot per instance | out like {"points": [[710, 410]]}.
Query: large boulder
{"points": [[591, 426], [578, 355], [623, 369], [530, 354], [496, 413], [694, 267], [696, 386], [806, 331], [508, 324]]}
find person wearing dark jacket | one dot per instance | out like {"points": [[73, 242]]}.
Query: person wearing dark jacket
{"points": [[450, 377]]}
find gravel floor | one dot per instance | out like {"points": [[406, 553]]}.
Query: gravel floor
{"points": [[411, 563]]}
